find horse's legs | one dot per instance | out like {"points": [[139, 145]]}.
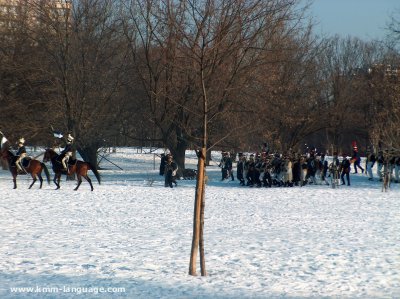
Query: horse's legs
{"points": [[79, 181], [15, 181], [89, 180], [41, 180], [56, 180], [34, 180]]}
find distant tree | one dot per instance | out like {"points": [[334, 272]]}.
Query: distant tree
{"points": [[84, 59], [342, 72], [22, 87]]}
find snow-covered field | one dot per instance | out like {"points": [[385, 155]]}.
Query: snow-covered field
{"points": [[131, 238]]}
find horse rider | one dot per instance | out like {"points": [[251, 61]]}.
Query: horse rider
{"points": [[21, 153], [67, 151]]}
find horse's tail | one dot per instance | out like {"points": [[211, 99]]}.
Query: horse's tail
{"points": [[96, 173], [46, 172]]}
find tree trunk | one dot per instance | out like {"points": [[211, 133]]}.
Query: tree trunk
{"points": [[4, 164], [179, 156], [197, 225], [89, 154], [201, 241], [178, 150]]}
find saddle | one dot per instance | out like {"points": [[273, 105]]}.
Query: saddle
{"points": [[24, 162], [70, 162]]}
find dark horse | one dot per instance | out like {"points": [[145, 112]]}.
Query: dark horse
{"points": [[29, 166], [80, 168]]}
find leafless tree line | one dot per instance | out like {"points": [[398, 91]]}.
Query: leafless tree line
{"points": [[131, 72]]}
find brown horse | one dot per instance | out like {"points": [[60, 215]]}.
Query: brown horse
{"points": [[80, 168], [29, 166]]}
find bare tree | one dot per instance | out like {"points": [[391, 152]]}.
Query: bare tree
{"points": [[343, 66], [83, 57], [22, 88]]}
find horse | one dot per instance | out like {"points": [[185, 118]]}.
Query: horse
{"points": [[29, 166], [80, 168]]}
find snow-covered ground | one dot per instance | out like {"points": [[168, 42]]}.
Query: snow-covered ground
{"points": [[131, 238]]}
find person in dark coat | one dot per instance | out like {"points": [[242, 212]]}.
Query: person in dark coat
{"points": [[324, 168], [250, 166], [162, 164], [257, 170], [226, 167], [311, 169], [370, 161], [296, 170], [240, 169], [266, 168], [345, 170], [170, 172], [380, 161], [397, 169], [356, 160]]}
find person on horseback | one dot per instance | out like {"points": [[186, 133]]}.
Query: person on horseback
{"points": [[67, 152], [21, 153]]}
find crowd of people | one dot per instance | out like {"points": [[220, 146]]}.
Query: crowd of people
{"points": [[288, 170]]}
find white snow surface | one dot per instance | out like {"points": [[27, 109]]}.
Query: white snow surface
{"points": [[131, 237]]}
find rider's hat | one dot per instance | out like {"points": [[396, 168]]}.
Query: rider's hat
{"points": [[21, 140]]}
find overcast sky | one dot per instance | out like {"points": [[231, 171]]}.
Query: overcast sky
{"points": [[366, 19]]}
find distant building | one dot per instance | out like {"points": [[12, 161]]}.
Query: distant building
{"points": [[31, 12], [386, 70]]}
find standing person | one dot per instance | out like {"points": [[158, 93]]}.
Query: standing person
{"points": [[229, 166], [396, 169], [276, 164], [370, 163], [303, 172], [266, 168], [162, 164], [21, 153], [240, 169], [324, 168], [250, 167], [356, 160], [334, 170], [296, 170], [287, 171], [224, 164], [170, 172], [380, 160], [311, 168], [257, 170], [345, 169]]}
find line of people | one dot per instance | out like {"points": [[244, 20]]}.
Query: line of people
{"points": [[263, 170], [288, 170], [389, 165]]}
